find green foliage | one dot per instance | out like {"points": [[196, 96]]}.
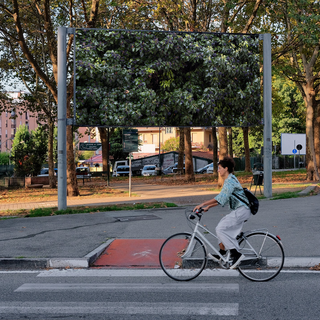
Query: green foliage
{"points": [[84, 155], [130, 78], [286, 195], [116, 145], [29, 151], [4, 158], [171, 144]]}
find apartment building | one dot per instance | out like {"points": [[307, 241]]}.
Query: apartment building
{"points": [[10, 122]]}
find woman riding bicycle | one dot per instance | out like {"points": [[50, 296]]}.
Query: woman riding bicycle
{"points": [[229, 226]]}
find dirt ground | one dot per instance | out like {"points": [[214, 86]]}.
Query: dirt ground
{"points": [[97, 187]]}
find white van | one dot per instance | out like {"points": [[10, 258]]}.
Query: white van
{"points": [[117, 164], [121, 171]]}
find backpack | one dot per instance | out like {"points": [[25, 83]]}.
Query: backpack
{"points": [[253, 202]]}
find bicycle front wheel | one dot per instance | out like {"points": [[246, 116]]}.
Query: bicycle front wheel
{"points": [[264, 256], [182, 258]]}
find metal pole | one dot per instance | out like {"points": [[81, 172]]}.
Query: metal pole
{"points": [[294, 155], [159, 152], [129, 175], [267, 115], [62, 119]]}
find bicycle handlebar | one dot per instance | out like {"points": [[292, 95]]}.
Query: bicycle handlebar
{"points": [[198, 213]]}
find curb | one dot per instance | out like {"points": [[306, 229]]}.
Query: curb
{"points": [[307, 191], [52, 263], [84, 263]]}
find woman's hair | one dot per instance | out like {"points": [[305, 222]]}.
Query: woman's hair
{"points": [[227, 162]]}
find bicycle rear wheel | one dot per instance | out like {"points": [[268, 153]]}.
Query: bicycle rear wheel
{"points": [[182, 259], [264, 256]]}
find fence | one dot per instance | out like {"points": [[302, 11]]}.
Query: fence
{"points": [[6, 182], [278, 162]]}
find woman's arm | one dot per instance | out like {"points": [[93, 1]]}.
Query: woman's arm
{"points": [[207, 205]]}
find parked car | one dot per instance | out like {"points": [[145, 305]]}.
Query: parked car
{"points": [[149, 170], [210, 168], [117, 164], [203, 169], [168, 170], [121, 171], [83, 172], [175, 168], [45, 172]]}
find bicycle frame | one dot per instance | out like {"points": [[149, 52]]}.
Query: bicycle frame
{"points": [[183, 256], [196, 233]]}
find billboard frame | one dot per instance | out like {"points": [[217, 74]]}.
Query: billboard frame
{"points": [[63, 121]]}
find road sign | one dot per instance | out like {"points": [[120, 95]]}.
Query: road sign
{"points": [[294, 151], [89, 146], [290, 141], [130, 140], [299, 147]]}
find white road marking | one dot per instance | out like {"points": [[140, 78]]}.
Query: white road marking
{"points": [[128, 273], [135, 287], [126, 308]]}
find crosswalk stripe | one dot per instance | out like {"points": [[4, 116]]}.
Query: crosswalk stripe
{"points": [[128, 273], [159, 308], [135, 287]]}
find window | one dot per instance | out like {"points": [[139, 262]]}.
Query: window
{"points": [[209, 137], [168, 129], [6, 123]]}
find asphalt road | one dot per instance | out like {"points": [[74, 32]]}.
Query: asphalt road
{"points": [[102, 294]]}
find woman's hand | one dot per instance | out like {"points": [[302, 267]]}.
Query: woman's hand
{"points": [[200, 206], [197, 208]]}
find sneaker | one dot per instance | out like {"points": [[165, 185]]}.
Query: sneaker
{"points": [[236, 260]]}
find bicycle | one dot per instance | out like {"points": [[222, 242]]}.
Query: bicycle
{"points": [[183, 256]]}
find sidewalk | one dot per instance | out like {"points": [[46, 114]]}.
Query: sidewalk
{"points": [[77, 240]]}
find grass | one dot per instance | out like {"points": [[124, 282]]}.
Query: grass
{"points": [[45, 212], [286, 195]]}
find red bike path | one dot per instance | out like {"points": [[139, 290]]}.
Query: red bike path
{"points": [[130, 253]]}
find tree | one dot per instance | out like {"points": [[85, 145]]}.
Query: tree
{"points": [[29, 46], [116, 145], [245, 131], [171, 144], [86, 155], [181, 149], [215, 151], [4, 158], [29, 151], [223, 148], [188, 155], [297, 57]]}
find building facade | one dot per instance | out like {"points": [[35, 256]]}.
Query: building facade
{"points": [[10, 122], [201, 138]]}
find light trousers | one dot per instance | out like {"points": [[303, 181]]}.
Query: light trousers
{"points": [[230, 226]]}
